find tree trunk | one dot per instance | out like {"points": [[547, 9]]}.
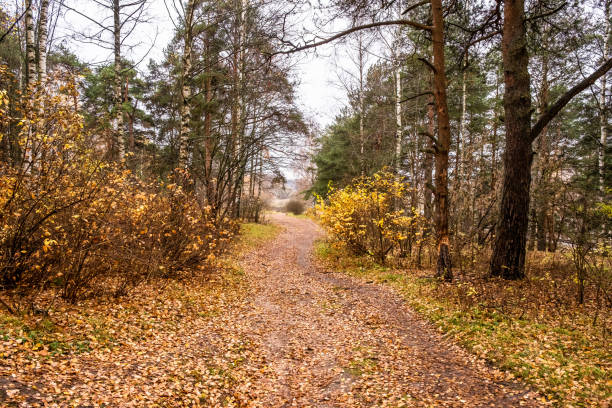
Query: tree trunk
{"points": [[42, 41], [131, 137], [183, 156], [494, 136], [428, 162], [533, 230], [361, 109], [508, 259], [237, 111], [603, 117], [542, 170], [208, 145], [398, 121], [118, 97], [444, 267], [461, 135], [30, 49]]}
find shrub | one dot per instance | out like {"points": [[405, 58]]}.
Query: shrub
{"points": [[252, 209], [295, 207], [367, 217], [71, 221]]}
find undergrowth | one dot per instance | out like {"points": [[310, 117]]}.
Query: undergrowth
{"points": [[565, 356], [105, 323]]}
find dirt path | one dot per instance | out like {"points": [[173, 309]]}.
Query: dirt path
{"points": [[290, 335], [333, 341]]}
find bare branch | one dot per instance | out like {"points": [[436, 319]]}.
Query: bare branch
{"points": [[354, 29]]}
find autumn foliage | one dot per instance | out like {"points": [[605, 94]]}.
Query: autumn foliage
{"points": [[73, 222], [368, 216]]}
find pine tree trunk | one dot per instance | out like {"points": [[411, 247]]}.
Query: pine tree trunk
{"points": [[208, 146], [461, 134], [444, 267], [533, 231], [508, 259], [361, 110], [494, 137]]}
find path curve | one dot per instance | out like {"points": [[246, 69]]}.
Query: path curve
{"points": [[329, 340]]}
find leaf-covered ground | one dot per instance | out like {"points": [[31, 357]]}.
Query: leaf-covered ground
{"points": [[272, 331], [566, 357]]}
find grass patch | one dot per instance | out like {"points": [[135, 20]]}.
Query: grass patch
{"points": [[304, 216], [253, 234], [567, 360]]}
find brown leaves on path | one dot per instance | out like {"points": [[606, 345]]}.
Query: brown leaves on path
{"points": [[284, 334], [334, 341]]}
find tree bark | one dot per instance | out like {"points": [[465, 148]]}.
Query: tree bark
{"points": [[603, 117], [208, 142], [444, 267], [361, 109], [398, 121], [494, 135], [460, 136], [428, 161], [183, 156], [30, 49], [508, 259], [42, 41], [118, 96]]}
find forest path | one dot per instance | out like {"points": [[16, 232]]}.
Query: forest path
{"points": [[329, 340], [285, 334]]}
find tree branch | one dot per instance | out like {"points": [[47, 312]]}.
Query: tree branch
{"points": [[410, 8], [416, 96], [352, 30], [15, 23], [433, 139], [429, 64], [546, 14], [551, 112], [103, 27]]}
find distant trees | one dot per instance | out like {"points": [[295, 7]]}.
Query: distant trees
{"points": [[216, 107], [234, 108]]}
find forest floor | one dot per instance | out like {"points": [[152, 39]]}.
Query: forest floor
{"points": [[276, 330]]}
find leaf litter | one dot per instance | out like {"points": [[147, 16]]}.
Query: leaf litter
{"points": [[285, 333]]}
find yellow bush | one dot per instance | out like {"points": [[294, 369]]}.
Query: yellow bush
{"points": [[72, 221], [367, 216]]}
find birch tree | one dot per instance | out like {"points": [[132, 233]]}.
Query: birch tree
{"points": [[43, 27]]}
